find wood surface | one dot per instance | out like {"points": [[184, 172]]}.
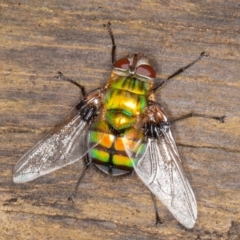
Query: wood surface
{"points": [[39, 38]]}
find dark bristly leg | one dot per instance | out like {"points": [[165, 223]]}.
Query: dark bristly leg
{"points": [[61, 76], [73, 195], [108, 26], [203, 54], [220, 119], [158, 220]]}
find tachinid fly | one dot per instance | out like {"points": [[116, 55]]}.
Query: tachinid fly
{"points": [[119, 129]]}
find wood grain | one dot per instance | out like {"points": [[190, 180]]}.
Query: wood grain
{"points": [[39, 38]]}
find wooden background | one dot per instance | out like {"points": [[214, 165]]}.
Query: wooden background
{"points": [[39, 38]]}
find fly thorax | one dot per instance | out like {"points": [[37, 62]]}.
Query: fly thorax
{"points": [[126, 98]]}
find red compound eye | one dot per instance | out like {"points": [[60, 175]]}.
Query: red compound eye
{"points": [[146, 71], [122, 64]]}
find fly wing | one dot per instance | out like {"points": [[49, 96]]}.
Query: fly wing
{"points": [[156, 161], [57, 149], [63, 146]]}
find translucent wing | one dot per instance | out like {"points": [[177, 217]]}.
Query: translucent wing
{"points": [[159, 167], [61, 147]]}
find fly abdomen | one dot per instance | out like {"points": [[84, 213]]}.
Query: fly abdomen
{"points": [[107, 149]]}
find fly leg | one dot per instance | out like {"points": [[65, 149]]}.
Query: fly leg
{"points": [[203, 54], [108, 26], [179, 71], [87, 166], [62, 77], [158, 219], [220, 119]]}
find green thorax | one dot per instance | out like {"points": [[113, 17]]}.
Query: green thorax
{"points": [[126, 98]]}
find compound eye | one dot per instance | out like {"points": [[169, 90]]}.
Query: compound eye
{"points": [[146, 71], [122, 64]]}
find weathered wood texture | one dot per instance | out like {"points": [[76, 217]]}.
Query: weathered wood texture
{"points": [[39, 38]]}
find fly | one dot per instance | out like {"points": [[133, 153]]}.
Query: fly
{"points": [[119, 129]]}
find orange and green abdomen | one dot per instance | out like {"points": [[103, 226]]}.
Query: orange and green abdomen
{"points": [[109, 154]]}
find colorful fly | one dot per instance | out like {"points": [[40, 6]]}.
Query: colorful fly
{"points": [[119, 129]]}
